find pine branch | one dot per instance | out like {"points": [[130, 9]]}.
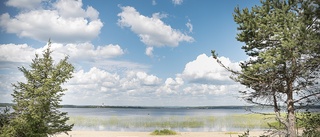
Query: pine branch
{"points": [[306, 97]]}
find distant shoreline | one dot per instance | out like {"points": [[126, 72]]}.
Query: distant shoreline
{"points": [[161, 107]]}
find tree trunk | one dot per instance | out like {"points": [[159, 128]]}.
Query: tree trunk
{"points": [[291, 117]]}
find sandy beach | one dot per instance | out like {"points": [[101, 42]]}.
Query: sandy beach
{"points": [[147, 134]]}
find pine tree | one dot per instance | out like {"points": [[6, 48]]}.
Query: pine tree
{"points": [[36, 101], [282, 38]]}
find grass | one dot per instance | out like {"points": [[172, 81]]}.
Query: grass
{"points": [[164, 132], [142, 122], [230, 133], [237, 122], [250, 121]]}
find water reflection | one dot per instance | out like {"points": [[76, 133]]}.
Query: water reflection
{"points": [[178, 119]]}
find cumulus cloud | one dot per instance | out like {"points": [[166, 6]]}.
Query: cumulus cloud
{"points": [[16, 53], [60, 23], [83, 51], [99, 80], [206, 70], [101, 84], [139, 79], [95, 79], [211, 89], [98, 84], [152, 31], [86, 51], [171, 86], [28, 4], [177, 2]]}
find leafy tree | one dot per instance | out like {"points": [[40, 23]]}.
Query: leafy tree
{"points": [[36, 101], [282, 39]]}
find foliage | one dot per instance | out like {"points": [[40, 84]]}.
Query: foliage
{"points": [[245, 134], [36, 101], [164, 132], [311, 124], [282, 40], [5, 117]]}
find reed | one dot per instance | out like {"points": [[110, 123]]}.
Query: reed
{"points": [[237, 121]]}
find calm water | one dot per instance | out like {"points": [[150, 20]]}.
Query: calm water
{"points": [[149, 119], [178, 119], [151, 112]]}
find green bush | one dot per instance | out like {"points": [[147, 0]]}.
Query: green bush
{"points": [[5, 116], [311, 123], [164, 132]]}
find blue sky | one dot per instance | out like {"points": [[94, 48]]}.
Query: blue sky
{"points": [[149, 53]]}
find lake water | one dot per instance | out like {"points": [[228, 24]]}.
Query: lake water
{"points": [[178, 119], [183, 119]]}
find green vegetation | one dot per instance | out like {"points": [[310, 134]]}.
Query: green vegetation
{"points": [[281, 37], [36, 101], [245, 134], [237, 121], [311, 124], [143, 122], [5, 117], [251, 121], [231, 133], [164, 132]]}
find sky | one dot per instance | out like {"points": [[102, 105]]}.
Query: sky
{"points": [[127, 52]]}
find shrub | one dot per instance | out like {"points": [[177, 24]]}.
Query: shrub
{"points": [[164, 132]]}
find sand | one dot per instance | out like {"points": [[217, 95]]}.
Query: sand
{"points": [[147, 134]]}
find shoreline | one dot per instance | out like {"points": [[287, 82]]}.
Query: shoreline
{"points": [[148, 134]]}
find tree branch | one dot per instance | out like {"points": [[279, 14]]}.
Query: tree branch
{"points": [[230, 70], [305, 97]]}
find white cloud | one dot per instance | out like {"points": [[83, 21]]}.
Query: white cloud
{"points": [[63, 8], [16, 53], [207, 89], [86, 51], [61, 23], [159, 15], [99, 85], [96, 79], [152, 31], [28, 4], [149, 51], [138, 79], [206, 70], [177, 2], [6, 81], [154, 2], [190, 26], [81, 51], [171, 86], [94, 85]]}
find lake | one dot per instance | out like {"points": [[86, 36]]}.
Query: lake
{"points": [[179, 119]]}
